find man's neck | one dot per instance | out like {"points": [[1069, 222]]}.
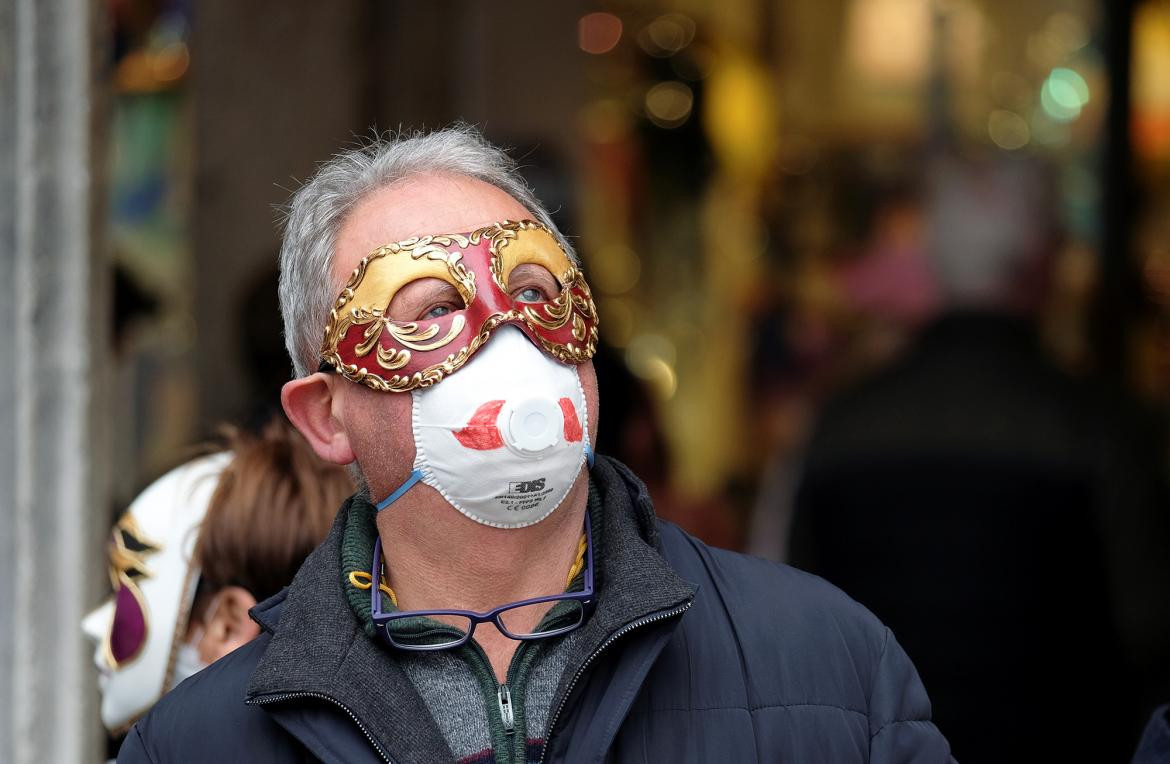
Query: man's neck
{"points": [[438, 558]]}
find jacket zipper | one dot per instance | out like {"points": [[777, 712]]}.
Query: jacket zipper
{"points": [[504, 695], [604, 645], [288, 696]]}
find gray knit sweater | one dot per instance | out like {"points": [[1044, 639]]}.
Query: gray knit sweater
{"points": [[459, 686]]}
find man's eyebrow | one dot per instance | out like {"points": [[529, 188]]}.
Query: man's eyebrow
{"points": [[430, 288]]}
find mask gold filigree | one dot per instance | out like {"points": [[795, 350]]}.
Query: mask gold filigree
{"points": [[366, 298], [129, 548]]}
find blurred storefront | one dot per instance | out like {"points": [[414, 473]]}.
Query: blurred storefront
{"points": [[745, 183], [752, 205]]}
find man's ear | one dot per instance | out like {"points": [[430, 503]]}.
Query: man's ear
{"points": [[308, 402], [227, 625]]}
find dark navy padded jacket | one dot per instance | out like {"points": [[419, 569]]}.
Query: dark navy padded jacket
{"points": [[736, 659]]}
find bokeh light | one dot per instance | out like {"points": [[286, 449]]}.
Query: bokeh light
{"points": [[741, 115], [652, 357], [599, 33], [667, 35], [668, 104], [1151, 86], [1008, 130], [1064, 94], [888, 41]]}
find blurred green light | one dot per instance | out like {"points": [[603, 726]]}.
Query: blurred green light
{"points": [[1064, 94], [1074, 81]]}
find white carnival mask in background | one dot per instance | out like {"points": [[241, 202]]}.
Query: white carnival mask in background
{"points": [[138, 630], [503, 439]]}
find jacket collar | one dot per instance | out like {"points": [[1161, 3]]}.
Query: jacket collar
{"points": [[319, 647], [635, 580]]}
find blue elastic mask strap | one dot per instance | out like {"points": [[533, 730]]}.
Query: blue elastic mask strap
{"points": [[590, 457], [410, 481]]}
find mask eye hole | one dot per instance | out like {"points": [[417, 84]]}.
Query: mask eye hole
{"points": [[529, 282], [129, 627], [425, 300], [130, 551]]}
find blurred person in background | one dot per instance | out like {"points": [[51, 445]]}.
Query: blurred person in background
{"points": [[273, 505], [1007, 520], [494, 593], [195, 551], [883, 291]]}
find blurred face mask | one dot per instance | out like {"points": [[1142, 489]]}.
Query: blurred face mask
{"points": [[154, 581], [499, 418]]}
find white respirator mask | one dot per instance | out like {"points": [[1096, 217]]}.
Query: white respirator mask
{"points": [[504, 439]]}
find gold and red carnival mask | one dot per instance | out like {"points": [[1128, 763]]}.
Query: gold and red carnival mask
{"points": [[365, 344]]}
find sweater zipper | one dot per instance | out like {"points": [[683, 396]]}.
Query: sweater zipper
{"points": [[288, 696], [504, 695], [604, 645]]}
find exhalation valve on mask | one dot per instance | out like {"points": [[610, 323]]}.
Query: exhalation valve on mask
{"points": [[503, 439]]}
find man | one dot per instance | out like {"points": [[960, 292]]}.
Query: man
{"points": [[1006, 518], [454, 374]]}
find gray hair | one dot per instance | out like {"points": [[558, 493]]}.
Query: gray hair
{"points": [[317, 210]]}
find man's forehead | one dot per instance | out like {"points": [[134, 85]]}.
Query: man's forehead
{"points": [[416, 206]]}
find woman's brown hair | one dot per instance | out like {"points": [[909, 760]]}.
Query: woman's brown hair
{"points": [[274, 504]]}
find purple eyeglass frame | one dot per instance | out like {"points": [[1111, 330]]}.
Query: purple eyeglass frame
{"points": [[382, 620]]}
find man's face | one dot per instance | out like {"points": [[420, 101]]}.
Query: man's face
{"points": [[378, 424]]}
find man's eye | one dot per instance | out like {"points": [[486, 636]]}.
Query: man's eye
{"points": [[530, 294], [437, 311]]}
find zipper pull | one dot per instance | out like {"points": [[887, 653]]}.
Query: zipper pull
{"points": [[505, 697]]}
